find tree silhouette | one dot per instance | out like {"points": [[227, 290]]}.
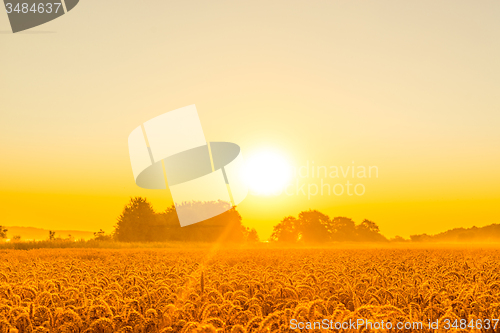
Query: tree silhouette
{"points": [[3, 232], [137, 221], [343, 229], [225, 227], [286, 230], [398, 238], [313, 226], [368, 231], [52, 235], [252, 236], [101, 236]]}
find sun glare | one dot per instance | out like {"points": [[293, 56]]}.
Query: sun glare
{"points": [[266, 173]]}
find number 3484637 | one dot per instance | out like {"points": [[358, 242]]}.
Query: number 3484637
{"points": [[38, 8]]}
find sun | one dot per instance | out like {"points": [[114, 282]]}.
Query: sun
{"points": [[266, 172]]}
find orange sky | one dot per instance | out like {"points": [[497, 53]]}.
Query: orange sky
{"points": [[409, 87]]}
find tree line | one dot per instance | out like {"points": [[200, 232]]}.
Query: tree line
{"points": [[313, 226], [489, 233], [139, 222]]}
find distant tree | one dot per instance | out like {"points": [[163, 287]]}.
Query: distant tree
{"points": [[16, 238], [3, 232], [101, 236], [489, 233], [398, 239], [225, 227], [252, 236], [313, 226], [137, 221], [343, 229], [420, 238], [286, 230], [369, 226], [368, 231], [52, 235]]}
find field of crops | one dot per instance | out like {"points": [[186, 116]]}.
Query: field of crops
{"points": [[245, 290]]}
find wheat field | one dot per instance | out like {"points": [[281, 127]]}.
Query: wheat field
{"points": [[243, 290]]}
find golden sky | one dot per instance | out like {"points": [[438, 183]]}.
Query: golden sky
{"points": [[411, 87]]}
